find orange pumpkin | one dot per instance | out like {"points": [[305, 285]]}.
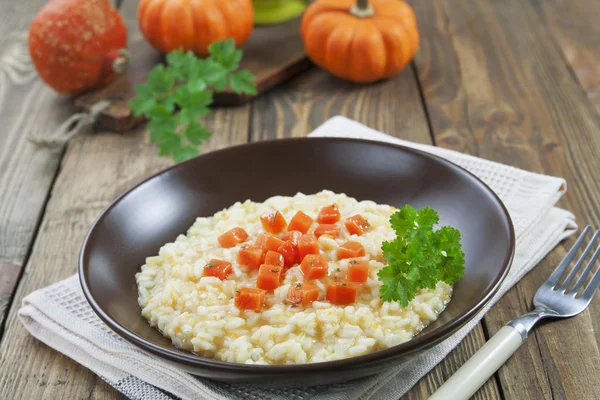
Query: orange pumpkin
{"points": [[194, 24], [78, 45], [361, 41]]}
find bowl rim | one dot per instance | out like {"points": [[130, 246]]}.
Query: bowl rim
{"points": [[419, 342]]}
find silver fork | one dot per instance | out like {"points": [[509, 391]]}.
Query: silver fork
{"points": [[550, 301]]}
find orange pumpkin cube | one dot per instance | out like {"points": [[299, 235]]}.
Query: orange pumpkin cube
{"points": [[350, 250], [302, 294], [327, 229], [250, 256], [314, 266], [358, 270], [219, 268], [260, 240], [307, 244], [329, 215], [274, 258], [249, 298], [293, 236], [357, 225], [300, 222], [341, 293], [272, 221], [268, 242], [269, 277], [289, 251], [232, 237]]}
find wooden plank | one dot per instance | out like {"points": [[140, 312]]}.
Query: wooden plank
{"points": [[26, 172], [9, 275], [574, 27], [96, 168], [496, 86], [394, 107], [295, 109]]}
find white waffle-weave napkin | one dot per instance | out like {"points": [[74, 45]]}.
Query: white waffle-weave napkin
{"points": [[59, 315]]}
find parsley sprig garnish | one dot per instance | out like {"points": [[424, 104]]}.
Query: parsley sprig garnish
{"points": [[420, 256], [187, 84]]}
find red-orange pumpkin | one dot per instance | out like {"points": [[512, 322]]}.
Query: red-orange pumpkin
{"points": [[194, 24], [78, 45], [361, 41]]}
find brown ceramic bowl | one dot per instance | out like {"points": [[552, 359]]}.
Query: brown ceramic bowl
{"points": [[154, 212]]}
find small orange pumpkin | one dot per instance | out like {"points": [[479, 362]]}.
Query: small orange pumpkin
{"points": [[78, 45], [194, 24], [361, 41]]}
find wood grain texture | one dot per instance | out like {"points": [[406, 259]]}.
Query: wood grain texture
{"points": [[394, 107], [9, 275], [95, 169], [27, 107], [495, 85], [574, 27], [296, 108]]}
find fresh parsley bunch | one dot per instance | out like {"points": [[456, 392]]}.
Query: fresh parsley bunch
{"points": [[420, 256], [187, 84]]}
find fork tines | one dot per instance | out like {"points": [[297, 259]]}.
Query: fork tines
{"points": [[579, 266]]}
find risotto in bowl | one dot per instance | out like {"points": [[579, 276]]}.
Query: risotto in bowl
{"points": [[307, 282], [246, 286]]}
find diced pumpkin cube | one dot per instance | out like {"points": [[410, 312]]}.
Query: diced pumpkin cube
{"points": [[314, 266], [292, 236], [219, 268], [329, 215], [357, 225], [302, 294], [350, 250], [300, 222], [268, 242], [260, 240], [274, 258], [327, 229], [249, 298], [307, 244], [341, 293], [358, 270], [289, 251], [269, 277], [272, 221], [233, 237], [250, 256]]}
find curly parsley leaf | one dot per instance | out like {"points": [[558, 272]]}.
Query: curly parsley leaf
{"points": [[420, 256], [144, 102], [242, 81], [178, 94], [225, 54]]}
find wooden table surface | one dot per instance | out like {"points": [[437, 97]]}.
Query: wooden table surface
{"points": [[515, 81]]}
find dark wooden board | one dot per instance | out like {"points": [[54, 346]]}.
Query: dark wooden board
{"points": [[274, 54], [496, 85]]}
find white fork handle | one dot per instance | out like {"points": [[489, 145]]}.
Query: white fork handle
{"points": [[479, 368]]}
